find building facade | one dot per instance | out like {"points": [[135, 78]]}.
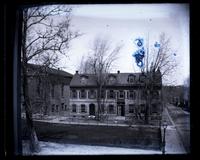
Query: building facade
{"points": [[48, 90], [123, 96]]}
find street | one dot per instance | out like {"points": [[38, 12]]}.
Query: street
{"points": [[178, 130]]}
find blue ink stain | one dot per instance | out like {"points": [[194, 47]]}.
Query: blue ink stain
{"points": [[139, 54], [139, 42], [157, 45]]}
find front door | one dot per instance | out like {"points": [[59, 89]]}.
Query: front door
{"points": [[92, 109], [122, 110]]}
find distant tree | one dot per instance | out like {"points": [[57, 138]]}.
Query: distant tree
{"points": [[45, 37], [100, 62]]}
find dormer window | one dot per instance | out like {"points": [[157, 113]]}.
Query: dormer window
{"points": [[83, 79], [131, 78], [142, 78], [112, 79]]}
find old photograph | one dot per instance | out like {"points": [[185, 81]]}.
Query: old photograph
{"points": [[105, 79]]}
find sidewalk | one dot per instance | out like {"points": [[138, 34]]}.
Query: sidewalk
{"points": [[174, 144]]}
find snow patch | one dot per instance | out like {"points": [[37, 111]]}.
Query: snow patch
{"points": [[50, 148]]}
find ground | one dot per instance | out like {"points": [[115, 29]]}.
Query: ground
{"points": [[177, 139], [49, 148]]}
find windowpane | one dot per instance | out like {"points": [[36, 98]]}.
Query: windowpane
{"points": [[83, 109], [52, 90], [121, 94], [62, 106], [131, 108], [102, 108], [143, 95], [132, 95], [103, 93], [111, 94], [73, 94], [52, 107], [56, 108], [83, 94], [92, 94], [74, 108], [62, 90], [111, 109]]}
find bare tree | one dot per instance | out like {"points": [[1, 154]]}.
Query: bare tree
{"points": [[159, 63], [45, 37], [100, 62]]}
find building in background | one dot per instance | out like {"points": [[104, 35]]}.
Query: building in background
{"points": [[48, 90], [123, 96]]}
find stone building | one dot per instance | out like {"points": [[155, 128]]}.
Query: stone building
{"points": [[48, 90], [123, 96]]}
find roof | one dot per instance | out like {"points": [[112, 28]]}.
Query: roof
{"points": [[52, 71], [121, 79]]}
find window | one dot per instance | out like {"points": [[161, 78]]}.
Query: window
{"points": [[83, 80], [131, 108], [111, 109], [74, 108], [112, 80], [142, 78], [62, 90], [83, 94], [92, 94], [56, 108], [103, 93], [83, 109], [142, 108], [131, 78], [143, 95], [62, 106], [111, 94], [102, 108], [156, 95], [121, 94], [73, 94], [52, 108], [52, 90], [154, 108], [65, 107], [132, 94], [39, 86]]}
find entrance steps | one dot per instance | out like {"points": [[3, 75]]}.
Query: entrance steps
{"points": [[120, 118]]}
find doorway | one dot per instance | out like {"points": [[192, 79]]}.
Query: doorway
{"points": [[121, 110], [92, 109]]}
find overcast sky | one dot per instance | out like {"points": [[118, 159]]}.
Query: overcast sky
{"points": [[124, 23]]}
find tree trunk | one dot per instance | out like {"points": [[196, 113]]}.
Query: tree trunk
{"points": [[98, 102], [34, 144], [147, 106]]}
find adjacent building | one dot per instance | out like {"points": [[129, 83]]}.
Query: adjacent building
{"points": [[48, 90]]}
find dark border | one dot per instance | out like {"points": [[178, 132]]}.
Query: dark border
{"points": [[11, 92]]}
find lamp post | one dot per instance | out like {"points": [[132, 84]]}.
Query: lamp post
{"points": [[163, 141]]}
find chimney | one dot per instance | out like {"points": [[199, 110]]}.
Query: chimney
{"points": [[118, 72], [76, 72]]}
